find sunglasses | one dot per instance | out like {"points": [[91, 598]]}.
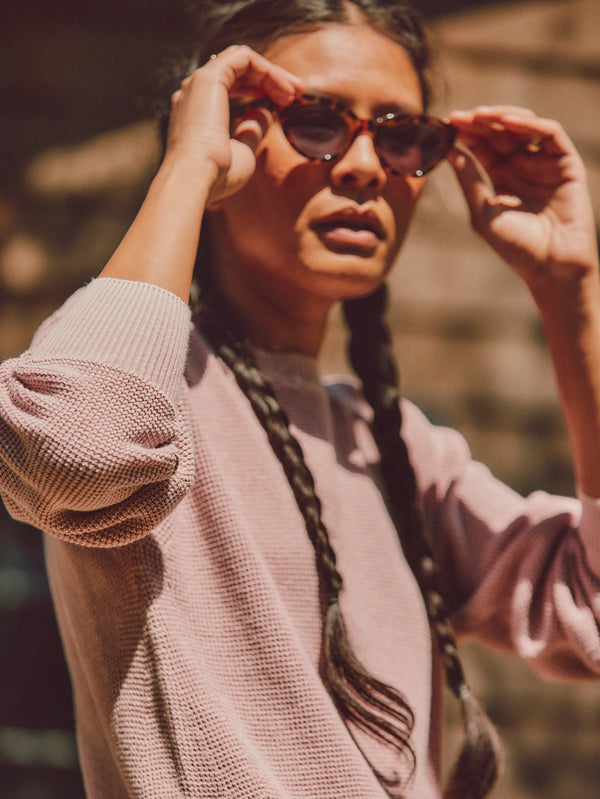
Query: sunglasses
{"points": [[323, 129]]}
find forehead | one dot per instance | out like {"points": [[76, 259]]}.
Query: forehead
{"points": [[355, 63]]}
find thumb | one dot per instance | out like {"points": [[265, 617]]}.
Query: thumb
{"points": [[473, 179], [253, 126], [246, 137]]}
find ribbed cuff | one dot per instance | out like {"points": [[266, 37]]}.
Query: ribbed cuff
{"points": [[589, 530], [136, 327]]}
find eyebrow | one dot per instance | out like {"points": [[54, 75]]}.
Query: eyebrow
{"points": [[379, 110], [237, 104]]}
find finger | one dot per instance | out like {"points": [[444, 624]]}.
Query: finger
{"points": [[484, 133], [241, 67], [529, 196], [499, 124], [490, 111], [548, 135], [486, 121], [514, 156], [251, 129], [242, 167], [488, 142], [473, 179], [531, 170]]}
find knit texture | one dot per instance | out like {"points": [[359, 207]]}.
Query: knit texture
{"points": [[184, 581]]}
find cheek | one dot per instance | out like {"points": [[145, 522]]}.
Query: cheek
{"points": [[288, 175], [275, 158], [402, 198], [270, 194]]}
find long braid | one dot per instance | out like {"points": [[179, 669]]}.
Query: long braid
{"points": [[478, 766], [372, 706]]}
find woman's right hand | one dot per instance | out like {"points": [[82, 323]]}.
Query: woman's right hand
{"points": [[202, 165], [199, 127]]}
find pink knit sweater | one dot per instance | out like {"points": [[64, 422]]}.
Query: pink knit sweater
{"points": [[184, 581]]}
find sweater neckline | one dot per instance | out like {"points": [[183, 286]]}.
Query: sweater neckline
{"points": [[288, 367]]}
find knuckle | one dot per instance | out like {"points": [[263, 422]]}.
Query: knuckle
{"points": [[233, 49], [555, 127], [242, 51]]}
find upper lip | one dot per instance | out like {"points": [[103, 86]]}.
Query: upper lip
{"points": [[366, 219]]}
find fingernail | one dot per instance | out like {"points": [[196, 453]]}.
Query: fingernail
{"points": [[457, 158]]}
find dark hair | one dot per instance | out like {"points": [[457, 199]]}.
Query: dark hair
{"points": [[479, 763], [260, 22], [362, 700]]}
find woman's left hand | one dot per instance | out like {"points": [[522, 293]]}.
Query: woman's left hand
{"points": [[526, 189]]}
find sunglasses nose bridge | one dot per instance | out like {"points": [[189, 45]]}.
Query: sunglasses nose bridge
{"points": [[357, 126]]}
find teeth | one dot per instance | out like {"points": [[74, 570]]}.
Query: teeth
{"points": [[353, 225]]}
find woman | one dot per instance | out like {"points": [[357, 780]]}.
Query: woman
{"points": [[216, 649]]}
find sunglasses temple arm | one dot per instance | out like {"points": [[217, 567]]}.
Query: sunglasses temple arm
{"points": [[237, 106], [452, 134]]}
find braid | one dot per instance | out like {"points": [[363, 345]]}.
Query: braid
{"points": [[372, 706], [478, 765]]}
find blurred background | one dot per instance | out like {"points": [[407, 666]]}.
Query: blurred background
{"points": [[78, 148]]}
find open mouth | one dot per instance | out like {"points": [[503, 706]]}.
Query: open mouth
{"points": [[350, 230]]}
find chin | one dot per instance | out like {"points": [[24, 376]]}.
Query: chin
{"points": [[348, 277]]}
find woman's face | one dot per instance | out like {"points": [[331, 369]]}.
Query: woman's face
{"points": [[302, 231]]}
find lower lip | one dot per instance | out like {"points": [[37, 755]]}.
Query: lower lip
{"points": [[346, 238]]}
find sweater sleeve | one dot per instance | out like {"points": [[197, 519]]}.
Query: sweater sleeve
{"points": [[521, 574], [93, 444]]}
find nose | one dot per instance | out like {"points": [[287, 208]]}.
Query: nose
{"points": [[360, 167]]}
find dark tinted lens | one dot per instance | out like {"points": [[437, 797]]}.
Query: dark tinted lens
{"points": [[411, 146], [315, 131]]}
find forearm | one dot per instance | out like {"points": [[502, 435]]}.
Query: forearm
{"points": [[203, 164], [571, 317], [534, 209], [160, 246]]}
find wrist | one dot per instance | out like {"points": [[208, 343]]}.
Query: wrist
{"points": [[192, 176], [160, 246], [567, 289]]}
